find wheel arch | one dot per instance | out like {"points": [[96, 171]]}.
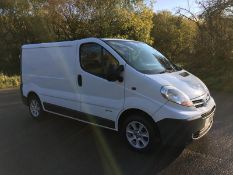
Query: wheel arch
{"points": [[131, 111], [33, 93]]}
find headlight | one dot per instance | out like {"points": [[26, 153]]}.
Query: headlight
{"points": [[175, 95]]}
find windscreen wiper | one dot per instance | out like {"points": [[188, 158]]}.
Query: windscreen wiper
{"points": [[165, 71], [168, 71]]}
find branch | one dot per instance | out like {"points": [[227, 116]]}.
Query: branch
{"points": [[192, 16]]}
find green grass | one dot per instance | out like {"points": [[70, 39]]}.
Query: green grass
{"points": [[9, 81], [217, 75], [223, 82]]}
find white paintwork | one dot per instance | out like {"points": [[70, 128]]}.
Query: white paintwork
{"points": [[172, 110], [99, 96], [190, 85], [51, 69]]}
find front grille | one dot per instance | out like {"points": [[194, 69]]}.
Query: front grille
{"points": [[198, 103], [201, 101]]}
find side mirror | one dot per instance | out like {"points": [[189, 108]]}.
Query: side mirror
{"points": [[114, 74], [120, 68]]}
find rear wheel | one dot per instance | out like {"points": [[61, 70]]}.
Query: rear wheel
{"points": [[35, 107], [140, 133]]}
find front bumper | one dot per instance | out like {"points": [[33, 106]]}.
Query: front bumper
{"points": [[180, 132]]}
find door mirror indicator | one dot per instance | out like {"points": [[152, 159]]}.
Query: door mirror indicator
{"points": [[114, 74]]}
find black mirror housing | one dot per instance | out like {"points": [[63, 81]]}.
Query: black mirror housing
{"points": [[115, 74], [121, 68]]}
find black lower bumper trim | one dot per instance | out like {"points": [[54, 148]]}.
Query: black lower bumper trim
{"points": [[180, 132], [79, 115]]}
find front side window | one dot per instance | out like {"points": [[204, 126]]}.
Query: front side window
{"points": [[141, 56], [96, 60]]}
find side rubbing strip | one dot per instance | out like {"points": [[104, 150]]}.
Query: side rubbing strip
{"points": [[79, 115]]}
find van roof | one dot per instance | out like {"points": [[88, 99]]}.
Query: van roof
{"points": [[63, 43], [116, 39], [51, 44]]}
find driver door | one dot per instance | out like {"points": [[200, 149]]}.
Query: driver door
{"points": [[100, 98]]}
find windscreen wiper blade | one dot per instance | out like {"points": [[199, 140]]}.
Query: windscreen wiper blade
{"points": [[167, 71]]}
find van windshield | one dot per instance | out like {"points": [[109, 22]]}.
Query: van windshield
{"points": [[142, 57]]}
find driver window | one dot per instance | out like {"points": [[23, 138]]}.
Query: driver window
{"points": [[96, 60]]}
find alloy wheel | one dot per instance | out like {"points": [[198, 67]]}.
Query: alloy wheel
{"points": [[137, 135]]}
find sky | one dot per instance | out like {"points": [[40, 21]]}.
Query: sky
{"points": [[172, 5]]}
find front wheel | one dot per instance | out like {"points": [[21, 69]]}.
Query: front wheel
{"points": [[140, 133], [35, 107]]}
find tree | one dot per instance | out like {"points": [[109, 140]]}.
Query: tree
{"points": [[34, 21], [173, 35], [20, 23], [113, 18], [213, 58], [215, 32]]}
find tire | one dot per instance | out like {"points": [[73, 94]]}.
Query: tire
{"points": [[35, 107], [140, 133]]}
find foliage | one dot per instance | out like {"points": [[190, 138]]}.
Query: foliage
{"points": [[215, 29], [112, 18], [34, 21], [20, 22], [173, 35], [201, 43], [213, 56], [9, 81]]}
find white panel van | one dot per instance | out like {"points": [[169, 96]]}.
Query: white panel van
{"points": [[122, 85]]}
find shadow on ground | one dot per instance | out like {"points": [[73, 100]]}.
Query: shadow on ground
{"points": [[100, 151], [61, 146]]}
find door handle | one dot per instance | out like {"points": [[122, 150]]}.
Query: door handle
{"points": [[79, 80]]}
